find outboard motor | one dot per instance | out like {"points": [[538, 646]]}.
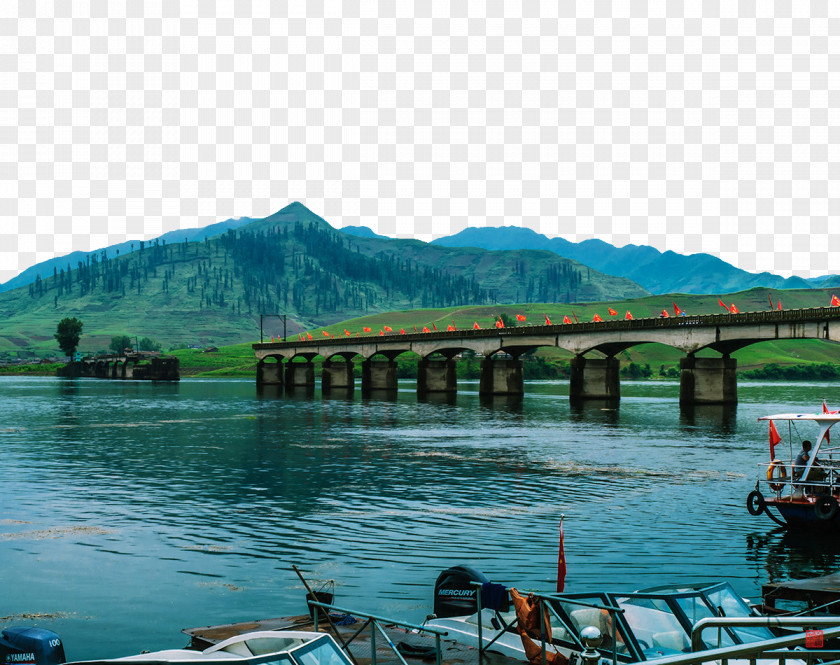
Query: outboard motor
{"points": [[30, 646], [454, 596]]}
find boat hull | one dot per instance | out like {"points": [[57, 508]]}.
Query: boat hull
{"points": [[800, 514]]}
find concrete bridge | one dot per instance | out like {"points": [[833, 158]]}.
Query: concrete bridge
{"points": [[140, 365], [594, 345]]}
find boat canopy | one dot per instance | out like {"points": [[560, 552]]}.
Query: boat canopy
{"points": [[825, 421]]}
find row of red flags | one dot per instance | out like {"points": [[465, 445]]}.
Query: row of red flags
{"points": [[499, 323], [775, 439]]}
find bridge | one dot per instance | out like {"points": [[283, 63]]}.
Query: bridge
{"points": [[594, 367], [130, 365]]}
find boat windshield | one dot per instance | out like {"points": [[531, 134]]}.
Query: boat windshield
{"points": [[583, 611], [730, 604], [654, 625], [320, 652]]}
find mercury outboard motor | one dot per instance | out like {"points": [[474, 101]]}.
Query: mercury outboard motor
{"points": [[30, 646], [454, 596]]}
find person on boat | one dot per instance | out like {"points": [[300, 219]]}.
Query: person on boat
{"points": [[817, 474]]}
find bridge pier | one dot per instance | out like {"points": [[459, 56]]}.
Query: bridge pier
{"points": [[594, 378], [501, 376], [708, 380], [337, 375], [379, 375], [270, 373], [300, 374], [436, 376]]}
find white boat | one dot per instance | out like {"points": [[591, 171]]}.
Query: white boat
{"points": [[805, 495], [640, 626], [255, 648]]}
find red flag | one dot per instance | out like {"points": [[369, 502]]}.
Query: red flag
{"points": [[426, 329], [835, 301], [381, 333], [500, 323], [574, 315], [347, 332], [720, 302], [434, 326], [300, 337], [389, 329], [628, 316], [612, 311], [597, 317], [415, 328], [309, 336], [733, 309], [547, 320], [566, 319], [272, 339], [476, 326], [520, 317], [450, 328], [325, 333], [402, 331], [779, 305], [665, 314], [357, 334], [366, 329], [677, 310], [771, 300], [561, 563], [774, 439]]}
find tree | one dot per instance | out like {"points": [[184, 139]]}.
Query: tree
{"points": [[68, 333], [148, 344], [119, 343]]}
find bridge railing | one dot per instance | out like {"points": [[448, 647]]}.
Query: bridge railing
{"points": [[806, 315]]}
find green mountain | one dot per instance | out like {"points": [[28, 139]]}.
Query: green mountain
{"points": [[292, 263]]}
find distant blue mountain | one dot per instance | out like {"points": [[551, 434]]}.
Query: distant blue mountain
{"points": [[658, 272], [72, 260], [360, 232]]}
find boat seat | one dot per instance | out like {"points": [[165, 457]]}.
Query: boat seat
{"points": [[591, 616], [672, 639]]}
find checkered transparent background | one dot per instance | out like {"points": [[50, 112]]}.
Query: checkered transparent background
{"points": [[696, 126]]}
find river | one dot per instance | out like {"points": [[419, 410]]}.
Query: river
{"points": [[130, 510]]}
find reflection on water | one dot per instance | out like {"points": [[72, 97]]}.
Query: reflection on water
{"points": [[130, 510]]}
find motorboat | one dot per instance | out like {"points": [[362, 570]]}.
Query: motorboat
{"points": [[644, 625], [802, 488], [264, 646]]}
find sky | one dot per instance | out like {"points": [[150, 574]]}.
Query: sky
{"points": [[692, 127]]}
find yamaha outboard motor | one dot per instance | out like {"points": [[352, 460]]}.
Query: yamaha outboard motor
{"points": [[454, 596], [30, 646]]}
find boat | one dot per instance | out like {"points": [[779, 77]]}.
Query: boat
{"points": [[253, 648], [637, 626], [803, 492]]}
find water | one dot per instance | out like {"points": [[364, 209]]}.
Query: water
{"points": [[130, 510]]}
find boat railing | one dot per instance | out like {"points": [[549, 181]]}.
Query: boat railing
{"points": [[377, 624], [801, 647], [792, 478]]}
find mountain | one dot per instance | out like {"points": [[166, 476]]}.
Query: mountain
{"points": [[70, 261], [361, 232], [658, 272], [218, 289]]}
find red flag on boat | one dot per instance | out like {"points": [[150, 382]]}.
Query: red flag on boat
{"points": [[547, 320], [774, 439], [835, 301], [597, 317], [476, 326], [325, 333], [677, 310], [612, 311], [665, 314], [628, 316], [720, 302], [520, 317], [733, 309], [561, 562], [366, 329], [566, 319], [426, 329], [389, 329]]}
